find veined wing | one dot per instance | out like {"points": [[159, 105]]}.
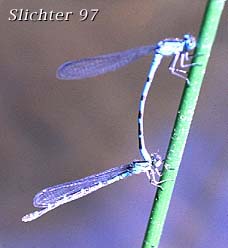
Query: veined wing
{"points": [[91, 67], [80, 187]]}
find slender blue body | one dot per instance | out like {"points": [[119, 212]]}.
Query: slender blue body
{"points": [[167, 47], [91, 67], [55, 196]]}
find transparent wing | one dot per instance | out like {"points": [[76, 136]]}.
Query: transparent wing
{"points": [[81, 187], [91, 67]]}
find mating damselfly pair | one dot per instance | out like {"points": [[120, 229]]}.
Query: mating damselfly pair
{"points": [[55, 196]]}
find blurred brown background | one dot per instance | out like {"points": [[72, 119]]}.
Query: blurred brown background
{"points": [[54, 131]]}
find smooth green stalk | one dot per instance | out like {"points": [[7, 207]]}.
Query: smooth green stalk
{"points": [[183, 122]]}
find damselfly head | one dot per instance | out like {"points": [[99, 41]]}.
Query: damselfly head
{"points": [[190, 42], [156, 160]]}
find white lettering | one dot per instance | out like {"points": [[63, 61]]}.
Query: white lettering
{"points": [[67, 15], [41, 15], [51, 15], [31, 16], [58, 15], [26, 14], [20, 15], [14, 15]]}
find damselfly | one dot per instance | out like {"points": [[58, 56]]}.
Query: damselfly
{"points": [[55, 196], [91, 67], [52, 197]]}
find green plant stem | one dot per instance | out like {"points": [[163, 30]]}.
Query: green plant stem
{"points": [[183, 122]]}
